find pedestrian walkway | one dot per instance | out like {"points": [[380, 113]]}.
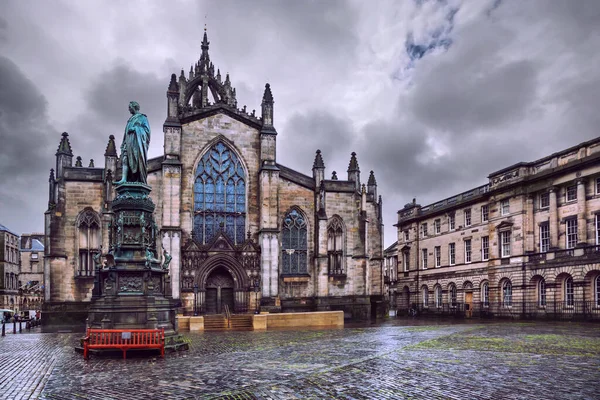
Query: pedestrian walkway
{"points": [[390, 361]]}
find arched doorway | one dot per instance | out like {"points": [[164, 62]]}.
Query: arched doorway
{"points": [[219, 291]]}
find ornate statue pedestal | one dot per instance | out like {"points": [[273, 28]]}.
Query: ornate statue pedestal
{"points": [[131, 288]]}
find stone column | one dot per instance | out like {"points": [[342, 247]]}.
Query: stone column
{"points": [[581, 211], [553, 218]]}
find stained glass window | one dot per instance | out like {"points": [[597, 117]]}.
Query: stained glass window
{"points": [[294, 244], [335, 247], [219, 196]]}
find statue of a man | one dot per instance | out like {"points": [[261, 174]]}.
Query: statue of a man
{"points": [[134, 149]]}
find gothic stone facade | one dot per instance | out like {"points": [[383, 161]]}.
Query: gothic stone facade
{"points": [[243, 230], [524, 245]]}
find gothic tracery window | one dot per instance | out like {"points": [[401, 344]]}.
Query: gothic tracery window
{"points": [[88, 228], [219, 195], [335, 247], [294, 244]]}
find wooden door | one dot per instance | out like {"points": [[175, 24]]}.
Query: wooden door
{"points": [[227, 299], [211, 301], [468, 304]]}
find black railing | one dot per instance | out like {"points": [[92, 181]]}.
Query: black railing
{"points": [[577, 310]]}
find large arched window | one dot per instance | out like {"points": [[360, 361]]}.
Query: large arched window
{"points": [[542, 292], [219, 195], [453, 294], [294, 244], [335, 247], [88, 231], [485, 294], [597, 290], [569, 295], [507, 293], [425, 293], [438, 296]]}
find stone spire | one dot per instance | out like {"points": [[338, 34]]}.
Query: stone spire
{"points": [[267, 111], [372, 187], [64, 155], [318, 170], [65, 146], [318, 161], [354, 171], [91, 163], [51, 190], [111, 149], [173, 86]]}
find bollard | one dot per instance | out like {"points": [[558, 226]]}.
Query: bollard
{"points": [[14, 327], [20, 327], [3, 329]]}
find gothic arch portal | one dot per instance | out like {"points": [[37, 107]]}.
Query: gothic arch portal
{"points": [[221, 280]]}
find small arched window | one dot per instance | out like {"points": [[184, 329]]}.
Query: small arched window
{"points": [[425, 293], [294, 244], [438, 296], [453, 295], [507, 293], [335, 247], [569, 294], [542, 292], [88, 228]]}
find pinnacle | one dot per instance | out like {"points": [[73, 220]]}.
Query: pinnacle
{"points": [[318, 161], [111, 149], [65, 146], [268, 96], [353, 163], [372, 181]]}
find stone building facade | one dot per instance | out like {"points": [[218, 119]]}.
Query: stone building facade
{"points": [[31, 270], [527, 244], [9, 269], [242, 229]]}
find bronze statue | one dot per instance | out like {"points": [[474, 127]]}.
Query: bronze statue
{"points": [[134, 149]]}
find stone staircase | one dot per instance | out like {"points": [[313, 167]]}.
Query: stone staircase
{"points": [[216, 322], [242, 322]]}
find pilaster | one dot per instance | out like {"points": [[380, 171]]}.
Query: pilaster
{"points": [[529, 228], [581, 211], [553, 218]]}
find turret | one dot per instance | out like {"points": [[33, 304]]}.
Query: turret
{"points": [[172, 98], [354, 172], [372, 187], [64, 155], [268, 134], [318, 169]]}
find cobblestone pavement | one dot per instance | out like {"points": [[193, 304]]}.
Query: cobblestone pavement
{"points": [[386, 361]]}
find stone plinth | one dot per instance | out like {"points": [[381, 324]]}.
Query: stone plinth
{"points": [[131, 287]]}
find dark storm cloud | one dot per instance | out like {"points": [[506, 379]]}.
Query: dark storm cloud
{"points": [[26, 151], [106, 110], [317, 129]]}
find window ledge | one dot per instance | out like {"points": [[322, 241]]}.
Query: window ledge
{"points": [[296, 278]]}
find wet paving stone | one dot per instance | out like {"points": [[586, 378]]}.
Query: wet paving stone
{"points": [[384, 361]]}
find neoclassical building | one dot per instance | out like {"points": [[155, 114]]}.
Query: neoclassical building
{"points": [[527, 244], [242, 229]]}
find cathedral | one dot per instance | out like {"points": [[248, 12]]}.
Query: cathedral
{"points": [[241, 230]]}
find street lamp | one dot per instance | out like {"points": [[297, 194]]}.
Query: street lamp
{"points": [[195, 300]]}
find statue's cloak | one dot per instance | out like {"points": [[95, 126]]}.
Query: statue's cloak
{"points": [[136, 145]]}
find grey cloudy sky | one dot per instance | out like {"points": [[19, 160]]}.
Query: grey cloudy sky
{"points": [[432, 95]]}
